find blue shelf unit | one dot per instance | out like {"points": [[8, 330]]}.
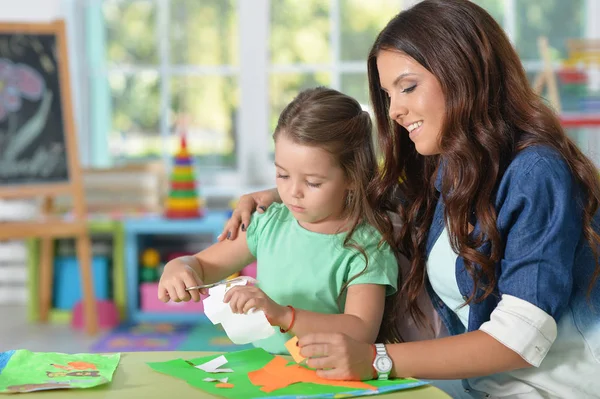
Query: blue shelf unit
{"points": [[140, 232]]}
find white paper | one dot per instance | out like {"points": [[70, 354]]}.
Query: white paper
{"points": [[240, 328], [223, 380], [221, 371], [213, 366]]}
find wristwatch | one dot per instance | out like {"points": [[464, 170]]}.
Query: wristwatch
{"points": [[382, 363]]}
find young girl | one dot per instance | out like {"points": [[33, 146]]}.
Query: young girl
{"points": [[499, 213], [322, 265]]}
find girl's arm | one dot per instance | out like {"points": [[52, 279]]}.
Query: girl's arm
{"points": [[361, 319], [223, 259], [213, 264]]}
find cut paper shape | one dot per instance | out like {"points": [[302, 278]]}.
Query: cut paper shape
{"points": [[294, 349], [26, 371], [277, 375], [76, 366], [214, 366], [246, 361], [222, 380], [240, 328], [224, 385]]}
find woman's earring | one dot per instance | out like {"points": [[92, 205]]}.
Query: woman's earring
{"points": [[349, 198]]}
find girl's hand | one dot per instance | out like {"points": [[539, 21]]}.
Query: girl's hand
{"points": [[176, 276], [242, 298], [336, 356], [257, 201]]}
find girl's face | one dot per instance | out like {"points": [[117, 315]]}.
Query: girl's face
{"points": [[416, 99], [311, 184]]}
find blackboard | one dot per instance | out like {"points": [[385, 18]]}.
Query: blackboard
{"points": [[33, 145]]}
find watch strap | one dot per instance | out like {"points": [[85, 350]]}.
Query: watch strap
{"points": [[380, 350]]}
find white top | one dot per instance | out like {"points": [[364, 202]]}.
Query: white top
{"points": [[564, 365], [443, 278]]}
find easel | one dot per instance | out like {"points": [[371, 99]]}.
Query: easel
{"points": [[50, 227], [547, 77]]}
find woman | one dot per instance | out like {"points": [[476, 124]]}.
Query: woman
{"points": [[499, 217]]}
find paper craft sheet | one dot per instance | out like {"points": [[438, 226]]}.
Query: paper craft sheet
{"points": [[251, 360], [25, 371]]}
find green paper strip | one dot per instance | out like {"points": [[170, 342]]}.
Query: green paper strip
{"points": [[242, 362], [34, 371]]}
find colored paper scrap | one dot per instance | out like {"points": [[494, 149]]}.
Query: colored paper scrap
{"points": [[26, 371], [214, 365], [224, 385], [222, 380], [277, 374], [294, 349], [247, 361]]}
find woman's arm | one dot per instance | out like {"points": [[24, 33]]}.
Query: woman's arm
{"points": [[258, 201], [473, 354], [462, 356]]}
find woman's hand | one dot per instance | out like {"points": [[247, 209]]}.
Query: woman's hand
{"points": [[258, 201], [242, 298], [178, 275], [336, 356]]}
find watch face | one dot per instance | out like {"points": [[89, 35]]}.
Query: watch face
{"points": [[383, 364]]}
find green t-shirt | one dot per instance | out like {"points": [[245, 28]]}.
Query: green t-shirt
{"points": [[308, 270]]}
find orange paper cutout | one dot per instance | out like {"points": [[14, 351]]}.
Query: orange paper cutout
{"points": [[277, 374], [224, 385], [76, 366], [294, 349], [82, 365]]}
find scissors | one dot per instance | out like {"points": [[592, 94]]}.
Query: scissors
{"points": [[233, 280]]}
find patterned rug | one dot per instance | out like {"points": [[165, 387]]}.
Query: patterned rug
{"points": [[203, 336]]}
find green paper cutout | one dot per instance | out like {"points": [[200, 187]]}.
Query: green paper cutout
{"points": [[242, 362], [36, 371]]}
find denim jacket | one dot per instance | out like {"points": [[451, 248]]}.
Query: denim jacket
{"points": [[547, 260]]}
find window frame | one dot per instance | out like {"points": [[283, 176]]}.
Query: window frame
{"points": [[254, 165]]}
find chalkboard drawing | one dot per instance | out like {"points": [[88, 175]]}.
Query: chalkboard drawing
{"points": [[18, 81], [35, 110]]}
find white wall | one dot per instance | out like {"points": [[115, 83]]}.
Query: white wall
{"points": [[30, 10]]}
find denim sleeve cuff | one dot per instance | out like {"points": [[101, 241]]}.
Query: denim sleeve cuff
{"points": [[522, 327]]}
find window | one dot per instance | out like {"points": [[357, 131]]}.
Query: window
{"points": [[166, 66], [226, 68], [322, 42], [157, 65]]}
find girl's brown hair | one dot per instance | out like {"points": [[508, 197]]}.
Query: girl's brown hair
{"points": [[491, 114], [325, 118]]}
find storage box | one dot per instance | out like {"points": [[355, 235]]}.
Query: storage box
{"points": [[67, 280], [149, 302]]}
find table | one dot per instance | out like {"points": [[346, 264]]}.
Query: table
{"points": [[134, 379]]}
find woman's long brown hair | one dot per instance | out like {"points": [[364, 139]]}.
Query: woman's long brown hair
{"points": [[491, 114]]}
